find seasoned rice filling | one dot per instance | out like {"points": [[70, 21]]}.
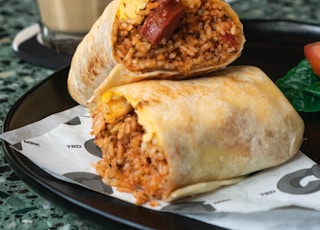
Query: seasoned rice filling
{"points": [[129, 163], [205, 36]]}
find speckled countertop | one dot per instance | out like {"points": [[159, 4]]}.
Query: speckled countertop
{"points": [[20, 206]]}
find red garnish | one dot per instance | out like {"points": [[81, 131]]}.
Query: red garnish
{"points": [[312, 54]]}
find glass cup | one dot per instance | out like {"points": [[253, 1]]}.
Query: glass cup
{"points": [[65, 22]]}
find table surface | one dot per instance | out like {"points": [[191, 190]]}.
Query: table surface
{"points": [[20, 206]]}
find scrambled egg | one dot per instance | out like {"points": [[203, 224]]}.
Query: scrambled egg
{"points": [[117, 106], [191, 3], [128, 10]]}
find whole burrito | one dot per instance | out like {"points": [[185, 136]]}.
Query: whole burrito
{"points": [[163, 39], [164, 139]]}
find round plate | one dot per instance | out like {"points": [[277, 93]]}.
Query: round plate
{"points": [[274, 46]]}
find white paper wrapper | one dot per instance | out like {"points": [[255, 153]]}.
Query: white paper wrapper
{"points": [[283, 197]]}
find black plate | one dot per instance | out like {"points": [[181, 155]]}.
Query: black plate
{"points": [[274, 46]]}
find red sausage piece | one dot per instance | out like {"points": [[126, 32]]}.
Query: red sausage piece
{"points": [[162, 21]]}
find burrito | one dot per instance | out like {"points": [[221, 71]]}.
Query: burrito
{"points": [[155, 39], [165, 139]]}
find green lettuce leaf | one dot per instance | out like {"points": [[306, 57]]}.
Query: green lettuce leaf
{"points": [[302, 87]]}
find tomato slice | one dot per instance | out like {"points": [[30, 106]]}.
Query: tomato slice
{"points": [[312, 54]]}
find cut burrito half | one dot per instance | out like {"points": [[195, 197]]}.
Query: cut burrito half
{"points": [[159, 39], [164, 139]]}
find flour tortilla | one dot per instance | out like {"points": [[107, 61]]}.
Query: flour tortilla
{"points": [[94, 60], [215, 130]]}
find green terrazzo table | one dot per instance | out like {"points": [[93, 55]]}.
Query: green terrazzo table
{"points": [[20, 206]]}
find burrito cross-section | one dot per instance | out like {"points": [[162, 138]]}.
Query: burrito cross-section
{"points": [[164, 139], [146, 39]]}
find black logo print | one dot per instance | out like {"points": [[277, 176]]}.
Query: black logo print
{"points": [[90, 180], [291, 183], [189, 207], [92, 148], [74, 121], [18, 146]]}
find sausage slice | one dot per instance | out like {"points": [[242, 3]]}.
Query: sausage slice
{"points": [[161, 22]]}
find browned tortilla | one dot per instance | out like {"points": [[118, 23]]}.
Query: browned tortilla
{"points": [[213, 42], [211, 131]]}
